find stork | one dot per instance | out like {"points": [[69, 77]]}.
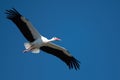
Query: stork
{"points": [[37, 42]]}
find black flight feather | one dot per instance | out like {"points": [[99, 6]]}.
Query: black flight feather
{"points": [[15, 16], [69, 60]]}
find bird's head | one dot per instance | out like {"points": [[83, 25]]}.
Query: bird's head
{"points": [[56, 39]]}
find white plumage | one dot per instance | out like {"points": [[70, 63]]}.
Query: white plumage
{"points": [[37, 42]]}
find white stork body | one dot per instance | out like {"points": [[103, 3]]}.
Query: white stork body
{"points": [[38, 42], [34, 46]]}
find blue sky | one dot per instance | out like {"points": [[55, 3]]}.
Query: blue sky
{"points": [[89, 29]]}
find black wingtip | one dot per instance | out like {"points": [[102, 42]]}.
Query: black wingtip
{"points": [[73, 64], [12, 13]]}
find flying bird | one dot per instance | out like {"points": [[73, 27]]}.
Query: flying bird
{"points": [[37, 42]]}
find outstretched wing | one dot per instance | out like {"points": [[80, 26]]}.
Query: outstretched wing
{"points": [[27, 29], [61, 53]]}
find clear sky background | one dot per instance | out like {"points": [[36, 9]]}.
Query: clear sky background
{"points": [[89, 29]]}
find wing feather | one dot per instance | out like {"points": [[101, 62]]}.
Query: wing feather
{"points": [[27, 29], [63, 54]]}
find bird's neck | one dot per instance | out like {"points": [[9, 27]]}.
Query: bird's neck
{"points": [[50, 40], [47, 40]]}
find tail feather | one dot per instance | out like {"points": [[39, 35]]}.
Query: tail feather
{"points": [[27, 45], [36, 50]]}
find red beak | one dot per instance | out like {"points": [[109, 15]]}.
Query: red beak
{"points": [[58, 39]]}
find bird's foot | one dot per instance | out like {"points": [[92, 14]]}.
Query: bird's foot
{"points": [[25, 51]]}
